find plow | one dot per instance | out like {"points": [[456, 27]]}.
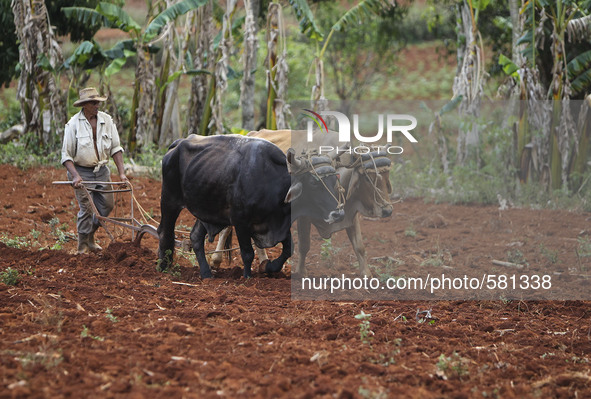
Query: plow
{"points": [[137, 228]]}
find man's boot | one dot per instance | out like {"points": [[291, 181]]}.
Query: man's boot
{"points": [[83, 247], [93, 246]]}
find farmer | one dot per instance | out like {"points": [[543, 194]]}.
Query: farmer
{"points": [[90, 137]]}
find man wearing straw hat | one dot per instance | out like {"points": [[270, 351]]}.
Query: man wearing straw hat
{"points": [[90, 138]]}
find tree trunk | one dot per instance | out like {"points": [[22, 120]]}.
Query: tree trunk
{"points": [[277, 69], [199, 84], [517, 31], [249, 59], [221, 68], [170, 125], [146, 95]]}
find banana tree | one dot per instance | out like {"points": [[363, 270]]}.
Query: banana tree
{"points": [[249, 58], [211, 69], [90, 56], [202, 41], [364, 10], [562, 140], [42, 102], [276, 68], [469, 79], [145, 108]]}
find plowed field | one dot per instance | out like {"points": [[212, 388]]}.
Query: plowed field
{"points": [[109, 325]]}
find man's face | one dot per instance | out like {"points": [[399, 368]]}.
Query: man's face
{"points": [[90, 108]]}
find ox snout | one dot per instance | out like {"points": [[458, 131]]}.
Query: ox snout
{"points": [[386, 212], [335, 216]]}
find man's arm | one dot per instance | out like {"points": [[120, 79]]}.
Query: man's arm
{"points": [[118, 158], [76, 179]]}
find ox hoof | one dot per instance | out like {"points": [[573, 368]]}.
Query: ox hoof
{"points": [[367, 273], [263, 266]]}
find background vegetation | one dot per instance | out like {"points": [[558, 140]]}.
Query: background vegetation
{"points": [[194, 66]]}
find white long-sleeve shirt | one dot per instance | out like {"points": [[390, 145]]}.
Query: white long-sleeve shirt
{"points": [[78, 145]]}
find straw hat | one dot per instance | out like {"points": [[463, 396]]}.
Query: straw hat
{"points": [[88, 94]]}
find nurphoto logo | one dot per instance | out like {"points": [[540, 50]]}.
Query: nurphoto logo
{"points": [[367, 143]]}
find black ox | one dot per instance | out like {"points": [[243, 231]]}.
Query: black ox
{"points": [[243, 182]]}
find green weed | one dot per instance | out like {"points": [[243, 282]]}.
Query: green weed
{"points": [[86, 334], [10, 276], [583, 247], [549, 254], [517, 257], [326, 249], [365, 333], [110, 316], [410, 232], [14, 242], [452, 366], [58, 231], [386, 359]]}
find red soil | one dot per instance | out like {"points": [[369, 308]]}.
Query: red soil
{"points": [[109, 325]]}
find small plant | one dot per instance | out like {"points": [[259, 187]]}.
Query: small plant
{"points": [[434, 261], [110, 316], [86, 334], [326, 249], [35, 234], [410, 232], [174, 271], [16, 242], [10, 276], [549, 254], [370, 394], [168, 257], [390, 357], [576, 359], [516, 257], [583, 249], [450, 366], [46, 358], [58, 232], [365, 332], [440, 257]]}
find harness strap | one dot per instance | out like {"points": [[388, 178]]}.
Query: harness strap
{"points": [[340, 189]]}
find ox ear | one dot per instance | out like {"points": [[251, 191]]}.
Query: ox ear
{"points": [[294, 192], [354, 182]]}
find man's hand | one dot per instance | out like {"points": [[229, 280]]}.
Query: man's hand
{"points": [[123, 178], [77, 181]]}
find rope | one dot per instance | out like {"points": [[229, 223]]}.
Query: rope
{"points": [[377, 192], [341, 190]]}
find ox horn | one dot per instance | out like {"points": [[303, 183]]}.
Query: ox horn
{"points": [[292, 162]]}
